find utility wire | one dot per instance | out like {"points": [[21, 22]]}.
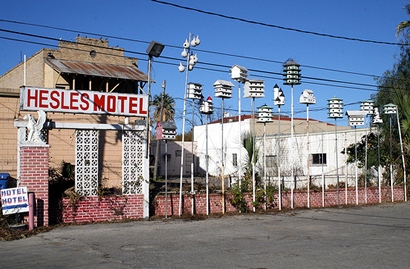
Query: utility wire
{"points": [[178, 47], [201, 63], [279, 26]]}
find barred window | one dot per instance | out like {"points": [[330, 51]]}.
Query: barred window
{"points": [[319, 158], [271, 161], [235, 159]]}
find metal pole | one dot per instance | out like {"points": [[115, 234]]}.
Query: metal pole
{"points": [[149, 101], [253, 153], [166, 178], [161, 118], [402, 158], [264, 161], [223, 164], [323, 176], [207, 166], [378, 168], [291, 153], [193, 160], [346, 172], [391, 166], [337, 166], [278, 164], [355, 165], [239, 135], [365, 164], [307, 163], [183, 134]]}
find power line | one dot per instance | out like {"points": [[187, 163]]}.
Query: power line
{"points": [[201, 63], [279, 26], [178, 47]]}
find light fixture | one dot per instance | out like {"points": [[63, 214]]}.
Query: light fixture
{"points": [[155, 49]]}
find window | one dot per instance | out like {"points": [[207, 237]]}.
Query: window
{"points": [[235, 159], [270, 160], [319, 158], [178, 153]]}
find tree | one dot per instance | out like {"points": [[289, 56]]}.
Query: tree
{"points": [[405, 25], [394, 88], [164, 107], [252, 154]]}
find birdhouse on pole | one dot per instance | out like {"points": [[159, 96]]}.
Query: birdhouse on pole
{"points": [[166, 130], [254, 89], [239, 73], [207, 106]]}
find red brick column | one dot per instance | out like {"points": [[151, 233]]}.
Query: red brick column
{"points": [[34, 176]]}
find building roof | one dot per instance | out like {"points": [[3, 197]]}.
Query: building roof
{"points": [[97, 69]]}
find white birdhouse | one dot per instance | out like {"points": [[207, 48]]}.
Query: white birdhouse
{"points": [[254, 89]]}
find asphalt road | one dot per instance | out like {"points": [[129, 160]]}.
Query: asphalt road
{"points": [[357, 237]]}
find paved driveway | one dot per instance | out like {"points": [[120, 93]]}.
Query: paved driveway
{"points": [[358, 237]]}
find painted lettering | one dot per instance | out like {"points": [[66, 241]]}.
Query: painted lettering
{"points": [[133, 105], [74, 100], [111, 104], [99, 102], [54, 99], [32, 97], [63, 102], [142, 111], [85, 105], [122, 100], [43, 98]]}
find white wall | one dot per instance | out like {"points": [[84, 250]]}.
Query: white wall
{"points": [[231, 144], [322, 142]]}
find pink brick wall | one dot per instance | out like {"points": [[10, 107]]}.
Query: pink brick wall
{"points": [[34, 176], [300, 200], [215, 204], [105, 208]]}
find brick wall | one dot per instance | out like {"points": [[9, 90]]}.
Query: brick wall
{"points": [[8, 135], [34, 176], [300, 200], [105, 208]]}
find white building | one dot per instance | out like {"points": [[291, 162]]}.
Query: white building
{"points": [[320, 159]]}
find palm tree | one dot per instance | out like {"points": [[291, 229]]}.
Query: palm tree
{"points": [[164, 107], [252, 154]]}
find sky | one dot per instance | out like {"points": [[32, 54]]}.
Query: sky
{"points": [[333, 41]]}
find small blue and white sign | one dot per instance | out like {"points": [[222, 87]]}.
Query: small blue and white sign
{"points": [[14, 200]]}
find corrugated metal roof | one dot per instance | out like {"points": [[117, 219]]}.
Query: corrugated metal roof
{"points": [[97, 69]]}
